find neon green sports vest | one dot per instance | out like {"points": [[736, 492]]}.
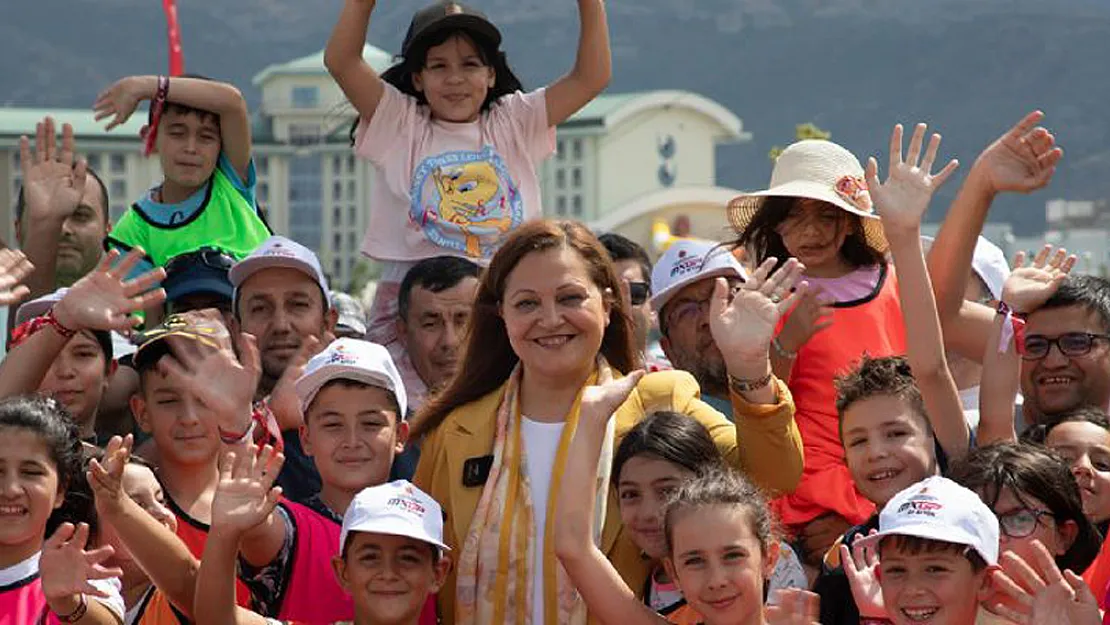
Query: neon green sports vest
{"points": [[225, 221]]}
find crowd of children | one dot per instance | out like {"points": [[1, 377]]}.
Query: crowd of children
{"points": [[879, 443]]}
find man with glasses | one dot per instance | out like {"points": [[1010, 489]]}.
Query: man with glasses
{"points": [[1066, 353], [634, 270], [683, 282]]}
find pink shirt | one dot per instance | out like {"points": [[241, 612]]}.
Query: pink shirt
{"points": [[451, 188], [850, 287]]}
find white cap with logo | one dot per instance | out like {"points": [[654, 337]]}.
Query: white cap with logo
{"points": [[278, 251], [687, 261], [939, 509], [351, 359], [397, 509]]}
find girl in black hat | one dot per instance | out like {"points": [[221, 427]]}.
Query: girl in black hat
{"points": [[454, 139]]}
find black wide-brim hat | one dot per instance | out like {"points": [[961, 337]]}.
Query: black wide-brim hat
{"points": [[449, 16]]}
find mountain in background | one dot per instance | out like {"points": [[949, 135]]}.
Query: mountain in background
{"points": [[853, 67]]}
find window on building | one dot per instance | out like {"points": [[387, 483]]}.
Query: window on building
{"points": [[337, 164], [305, 191], [352, 215], [336, 215], [576, 178], [263, 192], [352, 242], [117, 211], [304, 134], [15, 160], [118, 188], [351, 189], [350, 163], [560, 147], [560, 178], [262, 165], [576, 149], [336, 267], [337, 242], [576, 206], [306, 97], [117, 163], [92, 159], [561, 205]]}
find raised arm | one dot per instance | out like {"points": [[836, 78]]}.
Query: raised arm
{"points": [[343, 58], [102, 300], [608, 598], [120, 100], [593, 66], [244, 498], [1022, 160], [1027, 289], [902, 201], [53, 185]]}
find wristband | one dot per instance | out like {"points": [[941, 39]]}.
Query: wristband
{"points": [[77, 614], [747, 386], [780, 350], [871, 620], [1013, 329], [231, 438], [156, 106]]}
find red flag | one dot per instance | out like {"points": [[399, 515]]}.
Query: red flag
{"points": [[173, 31]]}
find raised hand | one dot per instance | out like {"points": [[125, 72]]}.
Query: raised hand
{"points": [[66, 568], [106, 476], [215, 376], [104, 299], [744, 324], [602, 399], [14, 268], [1022, 160], [53, 179], [861, 565], [284, 402], [903, 199], [1028, 288], [1043, 594], [246, 494], [119, 101], [794, 607], [812, 314]]}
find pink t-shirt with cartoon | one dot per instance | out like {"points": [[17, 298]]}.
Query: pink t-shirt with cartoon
{"points": [[447, 188]]}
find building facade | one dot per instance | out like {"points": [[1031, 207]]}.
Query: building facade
{"points": [[625, 163]]}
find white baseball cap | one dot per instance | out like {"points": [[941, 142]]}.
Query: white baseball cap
{"points": [[398, 509], [351, 359], [687, 261], [988, 261], [278, 251], [38, 306], [939, 509]]}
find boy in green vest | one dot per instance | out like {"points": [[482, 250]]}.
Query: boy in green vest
{"points": [[200, 129]]}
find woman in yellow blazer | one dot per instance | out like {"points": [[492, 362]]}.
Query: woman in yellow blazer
{"points": [[547, 321]]}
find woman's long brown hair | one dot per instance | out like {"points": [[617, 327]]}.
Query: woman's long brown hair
{"points": [[488, 358]]}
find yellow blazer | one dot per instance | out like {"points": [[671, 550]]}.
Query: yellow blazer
{"points": [[764, 442]]}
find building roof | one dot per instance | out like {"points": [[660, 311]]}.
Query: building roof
{"points": [[313, 64], [610, 109], [21, 121]]}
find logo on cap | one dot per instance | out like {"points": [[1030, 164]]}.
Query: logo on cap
{"points": [[407, 504], [341, 356], [684, 264]]}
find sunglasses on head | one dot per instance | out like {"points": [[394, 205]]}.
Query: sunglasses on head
{"points": [[208, 257], [638, 292]]}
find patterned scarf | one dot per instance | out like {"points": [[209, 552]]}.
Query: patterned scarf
{"points": [[495, 573]]}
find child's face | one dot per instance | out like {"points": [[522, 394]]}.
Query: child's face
{"points": [[643, 487], [184, 430], [189, 146], [887, 447], [29, 488], [143, 488], [1022, 523], [813, 232], [78, 377], [935, 587], [352, 433], [1086, 447], [390, 577], [719, 563], [454, 80]]}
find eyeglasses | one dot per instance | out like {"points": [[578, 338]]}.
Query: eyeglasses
{"points": [[638, 292], [207, 256], [689, 309], [1071, 344], [1022, 522]]}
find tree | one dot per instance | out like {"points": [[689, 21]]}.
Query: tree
{"points": [[808, 130]]}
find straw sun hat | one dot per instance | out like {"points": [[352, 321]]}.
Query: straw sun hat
{"points": [[818, 170]]}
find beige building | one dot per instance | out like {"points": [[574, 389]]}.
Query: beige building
{"points": [[624, 163]]}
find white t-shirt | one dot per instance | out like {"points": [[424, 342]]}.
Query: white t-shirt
{"points": [[541, 443], [452, 188]]}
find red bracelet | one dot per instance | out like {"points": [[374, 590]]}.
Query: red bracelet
{"points": [[156, 106]]}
